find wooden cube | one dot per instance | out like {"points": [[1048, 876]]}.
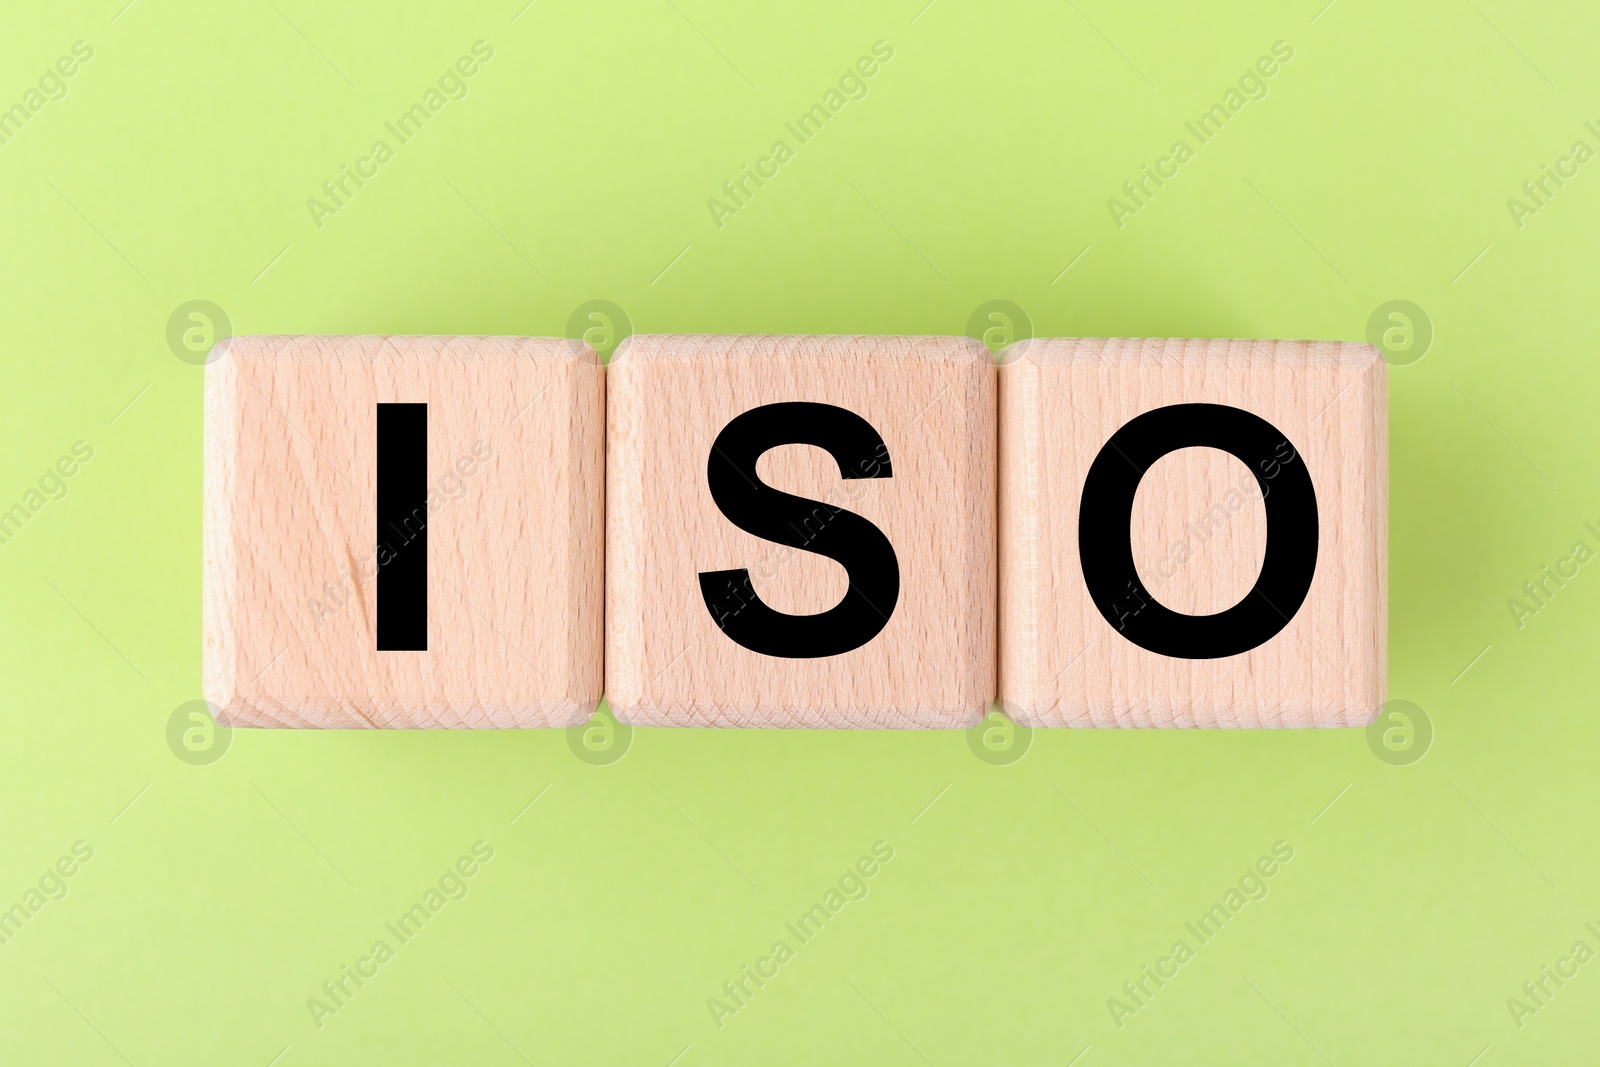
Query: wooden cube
{"points": [[1193, 533], [800, 531], [403, 532]]}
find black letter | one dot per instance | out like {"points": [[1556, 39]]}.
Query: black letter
{"points": [[1105, 544], [810, 525], [403, 513]]}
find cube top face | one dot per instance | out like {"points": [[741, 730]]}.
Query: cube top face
{"points": [[849, 477], [500, 484], [1247, 481]]}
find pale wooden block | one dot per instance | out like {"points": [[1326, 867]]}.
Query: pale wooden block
{"points": [[514, 514], [1198, 533], [931, 401]]}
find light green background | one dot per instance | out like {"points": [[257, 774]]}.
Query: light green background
{"points": [[1378, 166]]}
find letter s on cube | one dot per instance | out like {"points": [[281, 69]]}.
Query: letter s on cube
{"points": [[800, 531]]}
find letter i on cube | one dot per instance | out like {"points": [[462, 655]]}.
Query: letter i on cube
{"points": [[403, 532]]}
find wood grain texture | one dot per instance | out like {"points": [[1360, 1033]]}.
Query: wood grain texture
{"points": [[514, 532], [1198, 533], [932, 400]]}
